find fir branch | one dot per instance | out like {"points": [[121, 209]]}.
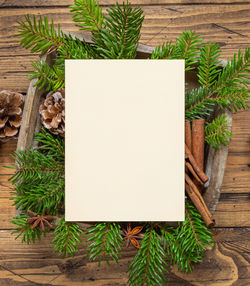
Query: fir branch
{"points": [[24, 230], [217, 132], [208, 65], [88, 15], [198, 103], [67, 236], [105, 242], [51, 144], [42, 196], [192, 239], [39, 35], [188, 47], [232, 87], [121, 33], [50, 78], [148, 267], [166, 51]]}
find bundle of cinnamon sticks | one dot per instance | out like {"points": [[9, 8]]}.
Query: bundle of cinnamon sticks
{"points": [[195, 177]]}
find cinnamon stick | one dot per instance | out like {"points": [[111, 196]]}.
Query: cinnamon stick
{"points": [[198, 141], [198, 201], [192, 171], [188, 134], [195, 166]]}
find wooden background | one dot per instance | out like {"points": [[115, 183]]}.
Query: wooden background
{"points": [[226, 22]]}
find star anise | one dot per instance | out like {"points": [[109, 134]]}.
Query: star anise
{"points": [[130, 235], [40, 221]]}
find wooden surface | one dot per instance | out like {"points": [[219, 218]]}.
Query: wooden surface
{"points": [[225, 21]]}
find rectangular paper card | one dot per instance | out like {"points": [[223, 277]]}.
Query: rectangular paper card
{"points": [[125, 140]]}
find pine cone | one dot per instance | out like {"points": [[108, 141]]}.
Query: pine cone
{"points": [[53, 113], [11, 109]]}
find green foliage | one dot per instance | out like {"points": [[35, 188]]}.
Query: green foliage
{"points": [[148, 267], [187, 244], [198, 103], [166, 51], [40, 35], [208, 65], [120, 35], [50, 78], [87, 14], [188, 47], [24, 229], [105, 241], [39, 178], [67, 236], [232, 87], [217, 132]]}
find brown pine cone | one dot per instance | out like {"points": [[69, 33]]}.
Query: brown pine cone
{"points": [[52, 112], [11, 109]]}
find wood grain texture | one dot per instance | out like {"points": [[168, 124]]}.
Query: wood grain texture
{"points": [[38, 265], [225, 21], [226, 24]]}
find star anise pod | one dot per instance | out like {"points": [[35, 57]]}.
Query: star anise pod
{"points": [[40, 221], [130, 235]]}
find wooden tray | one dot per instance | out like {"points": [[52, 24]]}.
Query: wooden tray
{"points": [[215, 162]]}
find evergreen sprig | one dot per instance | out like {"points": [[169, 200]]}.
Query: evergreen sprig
{"points": [[166, 51], [119, 37], [217, 132], [199, 103], [148, 267], [88, 15], [188, 243], [67, 237], [39, 35], [188, 47], [208, 67], [50, 78], [105, 242], [24, 230]]}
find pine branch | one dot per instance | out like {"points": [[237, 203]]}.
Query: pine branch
{"points": [[105, 242], [198, 103], [208, 65], [50, 78], [188, 47], [217, 132], [24, 230], [88, 15], [148, 267], [67, 236], [166, 51], [51, 144], [232, 87], [192, 239], [39, 35], [120, 35]]}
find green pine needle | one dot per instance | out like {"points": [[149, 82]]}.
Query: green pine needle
{"points": [[39, 35], [67, 237], [105, 242], [121, 33], [217, 132], [208, 65], [23, 229], [87, 14], [166, 51], [148, 267]]}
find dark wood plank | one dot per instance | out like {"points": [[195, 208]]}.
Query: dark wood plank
{"points": [[37, 264], [55, 3], [161, 23]]}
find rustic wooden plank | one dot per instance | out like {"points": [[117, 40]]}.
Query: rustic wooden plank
{"points": [[161, 23], [37, 264], [55, 3]]}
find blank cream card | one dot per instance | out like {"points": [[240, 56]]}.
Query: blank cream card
{"points": [[125, 140]]}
